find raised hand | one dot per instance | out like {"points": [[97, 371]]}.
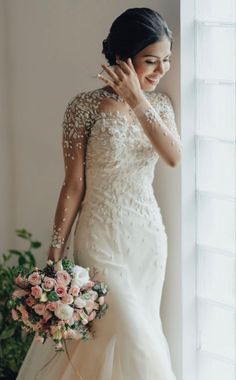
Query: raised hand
{"points": [[124, 81]]}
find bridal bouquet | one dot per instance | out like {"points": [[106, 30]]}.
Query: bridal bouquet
{"points": [[59, 302]]}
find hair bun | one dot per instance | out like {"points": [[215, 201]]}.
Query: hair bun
{"points": [[108, 52]]}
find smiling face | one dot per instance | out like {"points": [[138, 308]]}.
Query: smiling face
{"points": [[152, 63]]}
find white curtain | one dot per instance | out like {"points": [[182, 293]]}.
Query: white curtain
{"points": [[216, 188]]}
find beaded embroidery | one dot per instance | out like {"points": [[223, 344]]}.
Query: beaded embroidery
{"points": [[114, 152]]}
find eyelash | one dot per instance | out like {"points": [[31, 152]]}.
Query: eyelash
{"points": [[165, 60]]}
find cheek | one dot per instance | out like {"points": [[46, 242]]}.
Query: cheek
{"points": [[141, 70], [167, 67]]}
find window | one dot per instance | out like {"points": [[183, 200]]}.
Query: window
{"points": [[215, 143]]}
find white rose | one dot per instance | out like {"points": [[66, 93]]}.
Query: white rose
{"points": [[80, 276], [64, 311], [80, 302]]}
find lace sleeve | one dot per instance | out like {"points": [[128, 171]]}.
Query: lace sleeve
{"points": [[75, 129], [166, 112], [158, 121]]}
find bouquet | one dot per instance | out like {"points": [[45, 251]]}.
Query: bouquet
{"points": [[59, 302]]}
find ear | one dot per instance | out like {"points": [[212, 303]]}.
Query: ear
{"points": [[130, 63]]}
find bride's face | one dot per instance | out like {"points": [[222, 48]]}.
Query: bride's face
{"points": [[152, 63]]}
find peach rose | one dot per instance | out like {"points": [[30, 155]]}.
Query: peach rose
{"points": [[74, 291], [48, 283], [46, 316], [39, 308], [36, 291], [24, 312], [67, 299], [22, 282], [18, 293], [63, 277], [52, 306], [30, 301], [34, 278]]}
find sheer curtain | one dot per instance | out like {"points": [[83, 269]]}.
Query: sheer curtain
{"points": [[215, 140]]}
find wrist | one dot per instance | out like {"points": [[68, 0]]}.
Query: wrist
{"points": [[136, 100]]}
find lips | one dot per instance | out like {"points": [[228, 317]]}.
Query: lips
{"points": [[153, 81]]}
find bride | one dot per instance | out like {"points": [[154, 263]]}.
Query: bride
{"points": [[112, 139]]}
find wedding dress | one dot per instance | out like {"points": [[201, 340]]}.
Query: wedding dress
{"points": [[120, 232]]}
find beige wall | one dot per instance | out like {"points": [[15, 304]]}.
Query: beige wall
{"points": [[49, 51]]}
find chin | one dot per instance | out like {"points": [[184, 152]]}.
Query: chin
{"points": [[147, 86]]}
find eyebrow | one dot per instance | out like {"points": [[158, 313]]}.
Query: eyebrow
{"points": [[156, 56]]}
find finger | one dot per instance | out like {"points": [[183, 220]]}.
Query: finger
{"points": [[120, 73], [130, 63], [110, 72], [124, 66], [108, 81]]}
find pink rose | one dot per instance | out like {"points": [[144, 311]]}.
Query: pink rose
{"points": [[24, 312], [52, 306], [63, 276], [34, 278], [67, 299], [48, 283], [36, 291], [74, 291], [30, 301], [22, 282], [18, 293], [46, 316], [14, 315], [60, 290], [92, 316], [39, 308]]}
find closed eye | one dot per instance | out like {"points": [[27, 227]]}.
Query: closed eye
{"points": [[153, 63]]}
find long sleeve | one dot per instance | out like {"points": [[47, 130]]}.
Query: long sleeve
{"points": [[75, 129], [158, 121]]}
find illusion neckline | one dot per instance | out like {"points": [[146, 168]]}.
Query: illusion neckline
{"points": [[117, 96]]}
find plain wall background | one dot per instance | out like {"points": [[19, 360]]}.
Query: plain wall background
{"points": [[49, 51]]}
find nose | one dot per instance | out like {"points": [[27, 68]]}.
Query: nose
{"points": [[160, 67]]}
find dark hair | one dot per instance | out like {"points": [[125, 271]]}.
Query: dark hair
{"points": [[132, 31]]}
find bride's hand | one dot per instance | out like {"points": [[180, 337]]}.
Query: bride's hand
{"points": [[124, 81]]}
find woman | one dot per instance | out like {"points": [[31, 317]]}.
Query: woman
{"points": [[112, 140]]}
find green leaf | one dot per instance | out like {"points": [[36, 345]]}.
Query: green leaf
{"points": [[52, 296], [35, 244], [8, 332], [15, 252], [23, 233], [22, 260]]}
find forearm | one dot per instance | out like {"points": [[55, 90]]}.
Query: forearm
{"points": [[68, 205], [165, 140]]}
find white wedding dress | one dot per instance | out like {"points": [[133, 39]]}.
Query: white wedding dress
{"points": [[120, 232]]}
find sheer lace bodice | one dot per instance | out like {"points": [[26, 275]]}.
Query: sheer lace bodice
{"points": [[106, 149]]}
